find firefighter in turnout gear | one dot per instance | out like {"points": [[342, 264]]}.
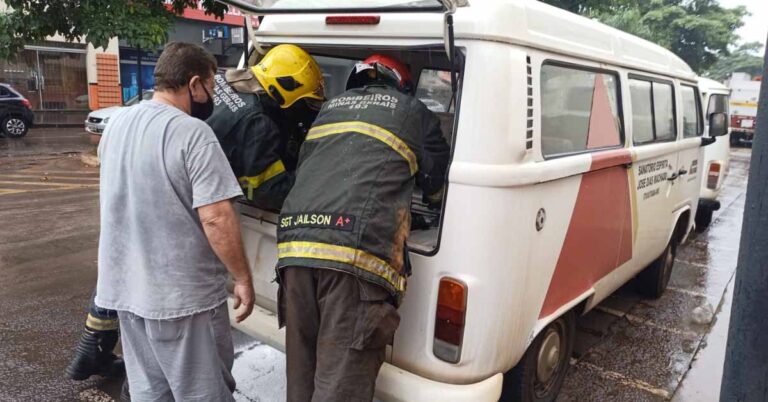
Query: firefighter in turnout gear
{"points": [[93, 353], [343, 228], [261, 116]]}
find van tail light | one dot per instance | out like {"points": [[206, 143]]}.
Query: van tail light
{"points": [[352, 20], [449, 319], [713, 176], [26, 103]]}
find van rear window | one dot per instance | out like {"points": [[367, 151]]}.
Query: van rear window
{"points": [[579, 110]]}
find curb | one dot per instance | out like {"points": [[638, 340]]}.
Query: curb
{"points": [[89, 159]]}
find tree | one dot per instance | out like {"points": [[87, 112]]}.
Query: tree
{"points": [[698, 31], [742, 59], [143, 23]]}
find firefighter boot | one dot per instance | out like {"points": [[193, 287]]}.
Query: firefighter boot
{"points": [[93, 355]]}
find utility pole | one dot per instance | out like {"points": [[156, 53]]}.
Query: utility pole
{"points": [[745, 374]]}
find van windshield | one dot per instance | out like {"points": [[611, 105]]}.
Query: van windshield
{"points": [[293, 6]]}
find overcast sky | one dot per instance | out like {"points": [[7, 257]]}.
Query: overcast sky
{"points": [[755, 27]]}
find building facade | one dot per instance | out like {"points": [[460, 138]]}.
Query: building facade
{"points": [[64, 81], [225, 39]]}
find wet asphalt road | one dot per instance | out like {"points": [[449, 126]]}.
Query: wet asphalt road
{"points": [[48, 210], [628, 349]]}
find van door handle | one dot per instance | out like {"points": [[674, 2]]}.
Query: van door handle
{"points": [[673, 176], [682, 172]]}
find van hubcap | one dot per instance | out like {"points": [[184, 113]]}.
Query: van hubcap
{"points": [[549, 356], [15, 126]]}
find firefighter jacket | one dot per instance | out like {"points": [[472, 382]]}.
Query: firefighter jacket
{"points": [[248, 123], [349, 209]]}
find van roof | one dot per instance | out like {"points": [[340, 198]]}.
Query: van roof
{"points": [[707, 85], [528, 23]]}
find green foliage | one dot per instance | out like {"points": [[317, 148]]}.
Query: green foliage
{"points": [[742, 59], [142, 23], [698, 31]]}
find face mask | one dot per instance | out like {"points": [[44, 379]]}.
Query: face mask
{"points": [[201, 110]]}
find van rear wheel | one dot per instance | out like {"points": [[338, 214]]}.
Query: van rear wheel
{"points": [[540, 373], [653, 280]]}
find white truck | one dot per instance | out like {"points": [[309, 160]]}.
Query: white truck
{"points": [[744, 93]]}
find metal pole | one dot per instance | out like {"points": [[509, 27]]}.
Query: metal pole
{"points": [[245, 39], [745, 374], [138, 72]]}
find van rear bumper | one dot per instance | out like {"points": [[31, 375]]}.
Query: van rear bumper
{"points": [[397, 385], [393, 384]]}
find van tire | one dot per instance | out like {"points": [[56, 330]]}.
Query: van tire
{"points": [[703, 218], [653, 280], [523, 382], [734, 139]]}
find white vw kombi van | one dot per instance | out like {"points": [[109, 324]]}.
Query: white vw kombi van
{"points": [[575, 168], [715, 98]]}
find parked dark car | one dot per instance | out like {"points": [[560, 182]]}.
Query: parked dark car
{"points": [[16, 115]]}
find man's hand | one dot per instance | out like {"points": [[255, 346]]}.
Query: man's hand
{"points": [[244, 295]]}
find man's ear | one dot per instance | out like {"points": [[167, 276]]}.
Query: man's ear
{"points": [[194, 80]]}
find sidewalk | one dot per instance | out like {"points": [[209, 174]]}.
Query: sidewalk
{"points": [[702, 383]]}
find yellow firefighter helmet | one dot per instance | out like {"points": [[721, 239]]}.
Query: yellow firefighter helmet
{"points": [[288, 74]]}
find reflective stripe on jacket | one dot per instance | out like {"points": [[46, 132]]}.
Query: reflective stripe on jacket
{"points": [[245, 120], [349, 209]]}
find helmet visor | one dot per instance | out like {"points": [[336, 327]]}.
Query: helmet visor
{"points": [[369, 72]]}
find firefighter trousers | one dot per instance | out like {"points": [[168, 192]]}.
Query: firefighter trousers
{"points": [[337, 330], [101, 319]]}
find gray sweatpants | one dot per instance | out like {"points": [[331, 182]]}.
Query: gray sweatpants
{"points": [[183, 359]]}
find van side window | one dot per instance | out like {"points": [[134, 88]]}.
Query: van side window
{"points": [[4, 93], [579, 110], [653, 111], [663, 111], [642, 112], [691, 111]]}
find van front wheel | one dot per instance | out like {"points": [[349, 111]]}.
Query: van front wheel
{"points": [[541, 371], [653, 280], [703, 218]]}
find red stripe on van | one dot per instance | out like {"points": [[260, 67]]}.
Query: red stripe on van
{"points": [[599, 236], [603, 130], [606, 159]]}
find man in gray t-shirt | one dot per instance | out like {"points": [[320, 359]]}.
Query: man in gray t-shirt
{"points": [[169, 234]]}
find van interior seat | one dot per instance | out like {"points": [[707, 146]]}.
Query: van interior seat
{"points": [[567, 130]]}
